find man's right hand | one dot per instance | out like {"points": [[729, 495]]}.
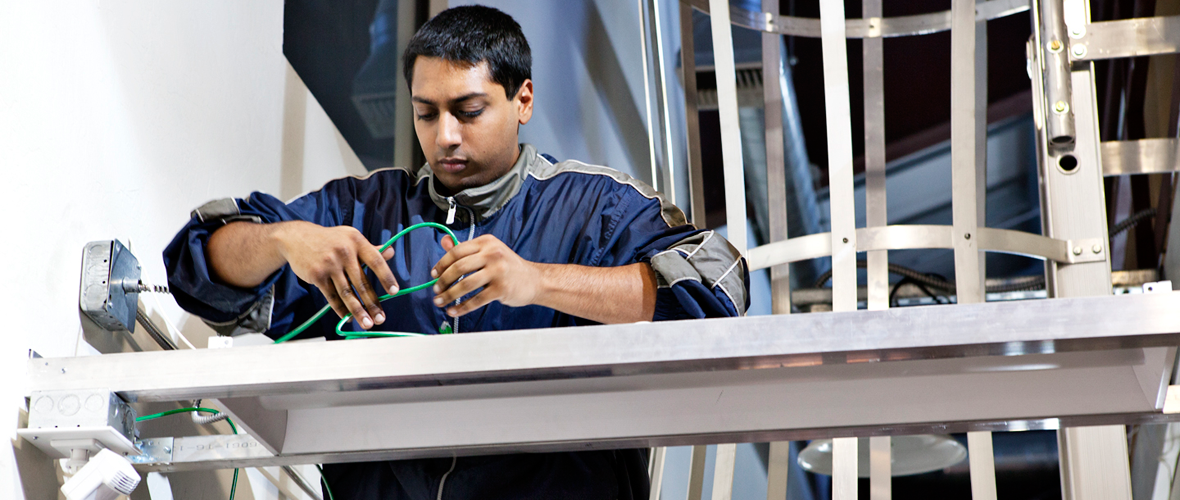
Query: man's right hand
{"points": [[330, 258], [244, 254]]}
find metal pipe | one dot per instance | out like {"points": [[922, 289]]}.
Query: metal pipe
{"points": [[1054, 47]]}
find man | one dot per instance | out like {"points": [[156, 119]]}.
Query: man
{"points": [[543, 244]]}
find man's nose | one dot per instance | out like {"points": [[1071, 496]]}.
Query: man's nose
{"points": [[449, 135]]}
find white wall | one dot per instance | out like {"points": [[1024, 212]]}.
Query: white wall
{"points": [[116, 119]]}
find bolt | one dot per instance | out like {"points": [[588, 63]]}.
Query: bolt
{"points": [[1060, 107], [1078, 50], [1055, 46], [1077, 250], [1097, 248]]}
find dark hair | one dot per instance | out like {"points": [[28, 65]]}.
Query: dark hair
{"points": [[475, 34]]}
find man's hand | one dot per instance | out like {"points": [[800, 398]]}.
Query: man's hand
{"points": [[622, 294], [489, 263], [330, 258]]}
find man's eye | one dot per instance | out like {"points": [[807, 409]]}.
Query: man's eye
{"points": [[427, 116], [471, 114]]}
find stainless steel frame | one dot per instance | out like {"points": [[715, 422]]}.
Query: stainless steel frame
{"points": [[969, 367]]}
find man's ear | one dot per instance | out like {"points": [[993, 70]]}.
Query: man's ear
{"points": [[524, 102]]}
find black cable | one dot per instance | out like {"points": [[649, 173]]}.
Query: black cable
{"points": [[940, 283], [1132, 221]]}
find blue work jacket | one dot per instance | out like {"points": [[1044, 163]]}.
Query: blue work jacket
{"points": [[545, 211]]}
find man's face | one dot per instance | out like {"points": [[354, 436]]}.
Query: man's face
{"points": [[466, 125]]}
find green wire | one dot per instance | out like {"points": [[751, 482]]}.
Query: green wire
{"points": [[233, 488], [325, 480], [316, 317]]}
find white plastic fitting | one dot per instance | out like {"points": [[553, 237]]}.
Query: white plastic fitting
{"points": [[105, 477]]}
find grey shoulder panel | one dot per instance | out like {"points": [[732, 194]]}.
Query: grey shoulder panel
{"points": [[708, 259], [542, 169], [225, 210]]}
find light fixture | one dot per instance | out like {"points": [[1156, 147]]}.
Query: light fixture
{"points": [[910, 455]]}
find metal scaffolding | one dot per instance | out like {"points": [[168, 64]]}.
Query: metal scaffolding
{"points": [[1082, 362]]}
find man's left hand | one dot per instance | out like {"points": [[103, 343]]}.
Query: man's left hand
{"points": [[489, 263]]}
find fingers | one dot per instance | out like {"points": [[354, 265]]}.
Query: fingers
{"points": [[367, 296], [479, 300], [344, 290], [464, 266], [468, 285], [376, 262], [454, 253], [387, 254], [329, 291]]}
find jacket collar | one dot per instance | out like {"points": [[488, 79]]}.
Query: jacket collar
{"points": [[483, 201]]}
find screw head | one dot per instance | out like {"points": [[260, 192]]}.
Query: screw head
{"points": [[1055, 45], [1097, 248], [845, 240], [1060, 107], [1077, 250], [967, 236]]}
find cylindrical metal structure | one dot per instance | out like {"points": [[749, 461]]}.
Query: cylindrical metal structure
{"points": [[1054, 46]]}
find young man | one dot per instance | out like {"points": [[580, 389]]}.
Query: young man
{"points": [[543, 244]]}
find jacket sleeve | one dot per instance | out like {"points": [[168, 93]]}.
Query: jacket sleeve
{"points": [[700, 275], [276, 303]]}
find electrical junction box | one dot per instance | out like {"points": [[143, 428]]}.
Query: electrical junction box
{"points": [[109, 292], [61, 421]]}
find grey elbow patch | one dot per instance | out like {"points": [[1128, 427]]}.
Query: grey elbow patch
{"points": [[708, 259], [256, 319]]}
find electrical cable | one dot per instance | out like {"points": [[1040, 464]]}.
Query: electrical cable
{"points": [[233, 486], [1132, 221], [325, 481], [316, 317]]}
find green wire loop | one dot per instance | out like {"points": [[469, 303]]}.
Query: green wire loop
{"points": [[343, 321]]}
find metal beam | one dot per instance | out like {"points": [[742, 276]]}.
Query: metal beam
{"points": [[731, 137], [776, 169], [1146, 36], [1144, 156], [869, 27], [839, 127], [692, 118]]}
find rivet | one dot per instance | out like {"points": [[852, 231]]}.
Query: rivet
{"points": [[1060, 107], [1078, 50], [967, 236], [167, 450], [1054, 45], [1077, 250], [845, 240], [1097, 248]]}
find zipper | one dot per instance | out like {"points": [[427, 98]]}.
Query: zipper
{"points": [[451, 210], [470, 236], [442, 482]]}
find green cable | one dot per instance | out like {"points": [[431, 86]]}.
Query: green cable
{"points": [[325, 480], [316, 317], [233, 488]]}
